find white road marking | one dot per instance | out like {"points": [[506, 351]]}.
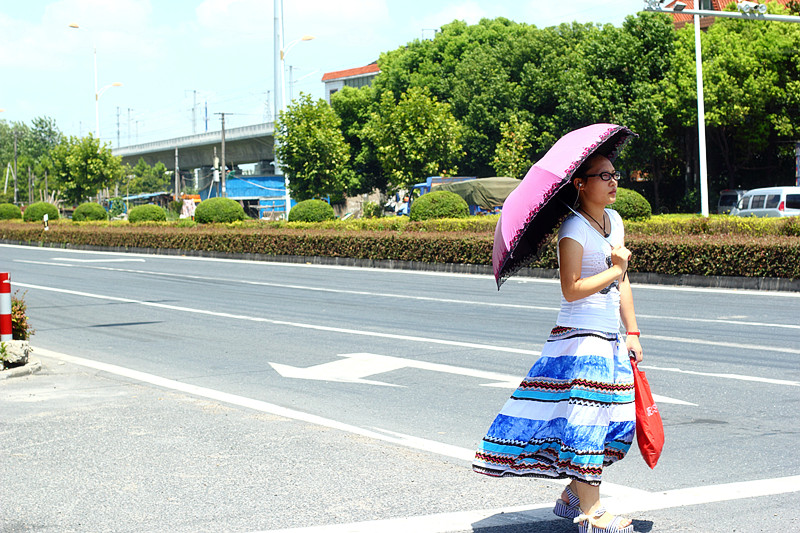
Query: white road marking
{"points": [[120, 260], [394, 336], [354, 367], [726, 376], [519, 516], [400, 439], [414, 297]]}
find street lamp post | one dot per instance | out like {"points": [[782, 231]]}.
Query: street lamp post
{"points": [[97, 93], [748, 11], [279, 81]]}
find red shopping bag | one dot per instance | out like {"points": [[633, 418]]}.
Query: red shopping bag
{"points": [[649, 429]]}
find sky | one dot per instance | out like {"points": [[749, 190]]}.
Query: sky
{"points": [[182, 62]]}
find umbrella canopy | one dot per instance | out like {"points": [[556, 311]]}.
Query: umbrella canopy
{"points": [[483, 192], [538, 205]]}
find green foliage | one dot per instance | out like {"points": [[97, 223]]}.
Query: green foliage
{"points": [[185, 223], [9, 212], [311, 211], [35, 212], [117, 207], [312, 150], [438, 204], [416, 137], [631, 205], [175, 206], [220, 210], [354, 108], [20, 328], [772, 256], [81, 166], [372, 210], [715, 225], [146, 213], [89, 211], [146, 179], [513, 154]]}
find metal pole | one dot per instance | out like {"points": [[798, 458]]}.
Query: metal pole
{"points": [[797, 163], [96, 98], [224, 169], [701, 120], [279, 104], [15, 166], [177, 176]]}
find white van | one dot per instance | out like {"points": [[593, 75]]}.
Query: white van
{"points": [[769, 202]]}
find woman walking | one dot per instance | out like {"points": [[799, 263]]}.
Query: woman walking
{"points": [[574, 414]]}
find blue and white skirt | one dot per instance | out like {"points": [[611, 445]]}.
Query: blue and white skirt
{"points": [[571, 416]]}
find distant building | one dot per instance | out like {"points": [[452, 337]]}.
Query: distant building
{"points": [[352, 77], [681, 19]]}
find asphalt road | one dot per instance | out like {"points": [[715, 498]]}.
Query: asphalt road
{"points": [[247, 396]]}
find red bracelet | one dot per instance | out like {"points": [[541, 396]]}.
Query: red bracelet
{"points": [[636, 333]]}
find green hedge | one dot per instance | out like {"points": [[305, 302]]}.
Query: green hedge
{"points": [[311, 211], [35, 212], [10, 212], [705, 255], [219, 210], [438, 204], [89, 211], [631, 205], [147, 213]]}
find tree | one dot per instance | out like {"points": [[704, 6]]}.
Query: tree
{"points": [[147, 179], [82, 166], [353, 107], [312, 150], [415, 138], [513, 154]]}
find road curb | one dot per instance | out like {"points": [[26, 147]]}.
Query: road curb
{"points": [[33, 365]]}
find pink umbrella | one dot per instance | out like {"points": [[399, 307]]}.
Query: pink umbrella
{"points": [[539, 204]]}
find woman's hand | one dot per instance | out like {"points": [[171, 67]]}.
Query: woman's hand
{"points": [[634, 347], [620, 257]]}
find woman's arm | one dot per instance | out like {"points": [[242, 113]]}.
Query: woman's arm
{"points": [[628, 317], [570, 258]]}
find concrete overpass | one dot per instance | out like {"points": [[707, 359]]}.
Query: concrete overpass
{"points": [[248, 144]]}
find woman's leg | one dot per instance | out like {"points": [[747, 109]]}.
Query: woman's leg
{"points": [[590, 503]]}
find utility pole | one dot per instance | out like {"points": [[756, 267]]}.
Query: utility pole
{"points": [[117, 126], [177, 176], [15, 165], [194, 111], [129, 126], [223, 168]]}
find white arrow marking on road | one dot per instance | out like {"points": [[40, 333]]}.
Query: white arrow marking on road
{"points": [[354, 367]]}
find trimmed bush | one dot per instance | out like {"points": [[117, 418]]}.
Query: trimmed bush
{"points": [[439, 204], [147, 213], [89, 211], [631, 205], [218, 210], [9, 212], [35, 212], [311, 211]]}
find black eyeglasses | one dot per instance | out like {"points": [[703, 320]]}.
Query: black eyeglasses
{"points": [[606, 176]]}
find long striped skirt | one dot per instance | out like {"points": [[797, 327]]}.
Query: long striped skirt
{"points": [[571, 416]]}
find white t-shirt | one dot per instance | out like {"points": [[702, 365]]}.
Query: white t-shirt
{"points": [[598, 311]]}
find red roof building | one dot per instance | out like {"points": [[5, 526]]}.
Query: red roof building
{"points": [[352, 77], [714, 5]]}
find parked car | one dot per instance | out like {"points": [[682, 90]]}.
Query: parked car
{"points": [[769, 202], [728, 199]]}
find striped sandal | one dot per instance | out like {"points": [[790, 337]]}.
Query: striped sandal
{"points": [[569, 509], [587, 524]]}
